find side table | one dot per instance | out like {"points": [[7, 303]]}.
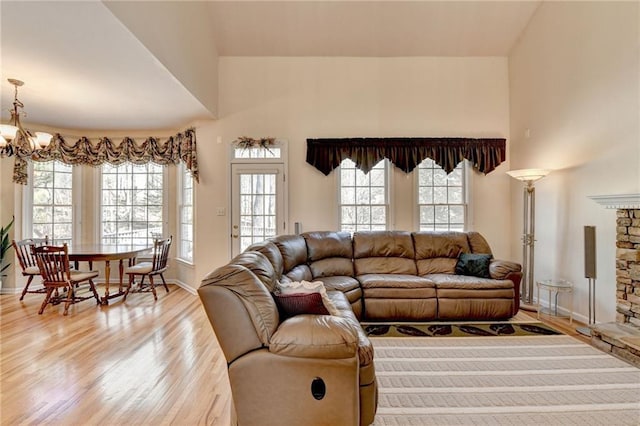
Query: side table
{"points": [[557, 287]]}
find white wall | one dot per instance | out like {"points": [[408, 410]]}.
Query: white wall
{"points": [[300, 98], [574, 83], [174, 37]]}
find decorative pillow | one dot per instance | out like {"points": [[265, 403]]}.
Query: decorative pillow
{"points": [[297, 304], [303, 297], [476, 265]]}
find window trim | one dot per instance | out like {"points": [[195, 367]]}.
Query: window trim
{"points": [[182, 171]]}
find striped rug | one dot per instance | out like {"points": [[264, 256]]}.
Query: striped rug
{"points": [[542, 380]]}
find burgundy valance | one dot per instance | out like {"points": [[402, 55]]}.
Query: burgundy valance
{"points": [[406, 153]]}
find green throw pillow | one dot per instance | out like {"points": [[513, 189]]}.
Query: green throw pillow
{"points": [[476, 265]]}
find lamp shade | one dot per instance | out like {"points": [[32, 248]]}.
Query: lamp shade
{"points": [[44, 139], [8, 131], [528, 175]]}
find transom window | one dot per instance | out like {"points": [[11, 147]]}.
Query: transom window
{"points": [[441, 197], [364, 197], [131, 203], [185, 215], [52, 207]]}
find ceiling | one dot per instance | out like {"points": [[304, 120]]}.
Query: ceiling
{"points": [[83, 68]]}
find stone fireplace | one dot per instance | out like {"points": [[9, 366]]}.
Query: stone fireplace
{"points": [[622, 338]]}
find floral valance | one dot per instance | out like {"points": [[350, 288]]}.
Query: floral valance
{"points": [[181, 147], [406, 153]]}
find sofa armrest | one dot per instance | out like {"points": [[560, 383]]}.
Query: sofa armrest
{"points": [[500, 269], [315, 336]]}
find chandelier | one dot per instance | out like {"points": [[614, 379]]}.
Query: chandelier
{"points": [[13, 134]]}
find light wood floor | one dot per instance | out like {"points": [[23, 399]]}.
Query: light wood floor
{"points": [[140, 362]]}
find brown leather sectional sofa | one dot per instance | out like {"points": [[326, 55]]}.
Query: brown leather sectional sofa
{"points": [[318, 369]]}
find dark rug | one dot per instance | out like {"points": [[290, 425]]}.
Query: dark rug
{"points": [[458, 329]]}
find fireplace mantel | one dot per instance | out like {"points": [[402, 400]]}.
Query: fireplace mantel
{"points": [[621, 201]]}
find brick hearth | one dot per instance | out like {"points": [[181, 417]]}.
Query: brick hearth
{"points": [[622, 337]]}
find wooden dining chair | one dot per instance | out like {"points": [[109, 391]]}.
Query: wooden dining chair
{"points": [[156, 267], [28, 262], [53, 262]]}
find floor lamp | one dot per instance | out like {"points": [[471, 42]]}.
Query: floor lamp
{"points": [[528, 176]]}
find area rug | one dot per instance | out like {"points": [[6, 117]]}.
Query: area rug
{"points": [[520, 380], [458, 329]]}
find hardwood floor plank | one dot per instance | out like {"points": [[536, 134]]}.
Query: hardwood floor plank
{"points": [[138, 362]]}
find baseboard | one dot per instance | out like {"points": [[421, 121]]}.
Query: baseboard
{"points": [[186, 287]]}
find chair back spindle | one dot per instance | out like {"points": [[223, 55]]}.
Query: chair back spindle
{"points": [[161, 254], [24, 252], [27, 260], [53, 262]]}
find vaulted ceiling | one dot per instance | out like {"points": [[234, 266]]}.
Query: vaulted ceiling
{"points": [[132, 65]]}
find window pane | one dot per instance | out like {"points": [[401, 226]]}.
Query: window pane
{"points": [[363, 197], [132, 203], [441, 197], [52, 201]]}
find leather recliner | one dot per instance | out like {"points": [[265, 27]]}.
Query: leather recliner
{"points": [[305, 370]]}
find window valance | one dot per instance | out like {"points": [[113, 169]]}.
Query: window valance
{"points": [[181, 147], [406, 153]]}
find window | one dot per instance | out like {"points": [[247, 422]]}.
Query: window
{"points": [[441, 197], [185, 215], [363, 197], [131, 203], [51, 204]]}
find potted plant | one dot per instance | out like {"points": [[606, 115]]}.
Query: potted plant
{"points": [[5, 245]]}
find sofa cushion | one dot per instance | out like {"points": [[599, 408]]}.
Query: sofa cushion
{"points": [[328, 244], [272, 252], [438, 252], [444, 281], [430, 244], [331, 266], [254, 295], [258, 263], [369, 281], [477, 243], [293, 249], [365, 348], [300, 273], [315, 336], [473, 264], [437, 265], [382, 244], [340, 283], [383, 252], [500, 269]]}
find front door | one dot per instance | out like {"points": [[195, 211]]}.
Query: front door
{"points": [[257, 204]]}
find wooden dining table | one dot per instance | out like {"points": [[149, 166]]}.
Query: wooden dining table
{"points": [[106, 253]]}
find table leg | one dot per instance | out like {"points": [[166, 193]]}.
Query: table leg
{"points": [[107, 273], [121, 270], [538, 297]]}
